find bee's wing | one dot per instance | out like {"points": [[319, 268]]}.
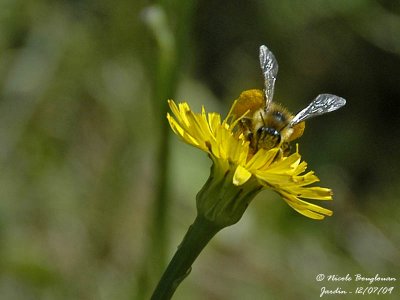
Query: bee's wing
{"points": [[324, 103], [269, 67]]}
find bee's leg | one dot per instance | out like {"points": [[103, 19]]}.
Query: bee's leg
{"points": [[249, 136], [286, 147], [245, 123], [253, 141], [245, 126]]}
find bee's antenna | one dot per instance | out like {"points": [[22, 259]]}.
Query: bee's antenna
{"points": [[263, 120]]}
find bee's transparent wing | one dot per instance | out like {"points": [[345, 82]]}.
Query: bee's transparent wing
{"points": [[269, 67], [323, 104]]}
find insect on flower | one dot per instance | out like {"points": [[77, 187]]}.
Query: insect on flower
{"points": [[250, 149], [267, 124]]}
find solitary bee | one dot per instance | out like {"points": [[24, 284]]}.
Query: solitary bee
{"points": [[268, 124]]}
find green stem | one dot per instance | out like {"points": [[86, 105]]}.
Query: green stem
{"points": [[196, 238]]}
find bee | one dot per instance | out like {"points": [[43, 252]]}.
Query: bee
{"points": [[267, 124]]}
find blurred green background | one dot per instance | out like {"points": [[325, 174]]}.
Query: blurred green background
{"points": [[95, 191]]}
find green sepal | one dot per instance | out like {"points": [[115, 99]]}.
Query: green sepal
{"points": [[220, 201]]}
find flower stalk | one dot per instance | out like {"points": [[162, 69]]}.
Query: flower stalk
{"points": [[196, 238]]}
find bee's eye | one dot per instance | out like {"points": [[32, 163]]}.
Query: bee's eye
{"points": [[261, 130], [268, 131]]}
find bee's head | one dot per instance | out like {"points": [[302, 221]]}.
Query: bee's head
{"points": [[267, 137]]}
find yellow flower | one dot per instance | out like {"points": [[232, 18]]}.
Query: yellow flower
{"points": [[235, 162]]}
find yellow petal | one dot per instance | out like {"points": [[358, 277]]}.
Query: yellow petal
{"points": [[305, 208], [241, 176]]}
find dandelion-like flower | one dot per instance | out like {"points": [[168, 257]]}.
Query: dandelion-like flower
{"points": [[231, 154], [250, 151]]}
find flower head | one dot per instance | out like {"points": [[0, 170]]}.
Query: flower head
{"points": [[231, 154]]}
